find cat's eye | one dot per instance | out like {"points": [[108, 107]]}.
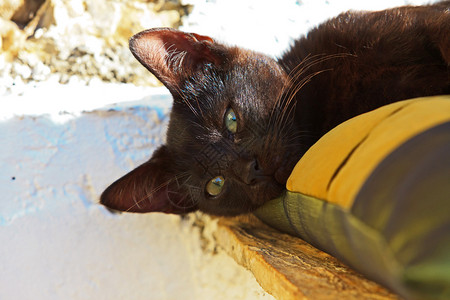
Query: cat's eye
{"points": [[214, 186], [230, 120]]}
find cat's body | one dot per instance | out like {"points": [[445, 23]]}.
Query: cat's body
{"points": [[398, 54], [241, 120]]}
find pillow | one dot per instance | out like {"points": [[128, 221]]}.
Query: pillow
{"points": [[375, 193]]}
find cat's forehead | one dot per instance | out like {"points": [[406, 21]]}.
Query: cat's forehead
{"points": [[258, 64], [255, 80]]}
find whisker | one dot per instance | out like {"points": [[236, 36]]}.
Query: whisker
{"points": [[301, 84], [286, 99], [290, 81]]}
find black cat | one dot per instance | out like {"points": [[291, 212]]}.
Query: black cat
{"points": [[240, 120]]}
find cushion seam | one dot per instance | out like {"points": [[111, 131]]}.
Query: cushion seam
{"points": [[349, 155]]}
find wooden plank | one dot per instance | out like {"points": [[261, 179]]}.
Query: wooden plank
{"points": [[288, 267]]}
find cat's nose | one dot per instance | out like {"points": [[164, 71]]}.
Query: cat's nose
{"points": [[249, 171]]}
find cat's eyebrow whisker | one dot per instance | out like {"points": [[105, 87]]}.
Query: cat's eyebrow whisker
{"points": [[282, 120], [283, 115], [308, 62], [304, 133], [291, 78], [297, 88], [311, 61], [302, 83]]}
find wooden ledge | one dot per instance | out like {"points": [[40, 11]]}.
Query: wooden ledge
{"points": [[289, 268]]}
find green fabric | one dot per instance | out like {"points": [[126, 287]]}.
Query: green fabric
{"points": [[329, 227], [397, 231]]}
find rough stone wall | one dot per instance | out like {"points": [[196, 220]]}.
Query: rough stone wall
{"points": [[83, 38]]}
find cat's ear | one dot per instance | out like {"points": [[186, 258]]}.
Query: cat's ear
{"points": [[151, 187], [173, 55]]}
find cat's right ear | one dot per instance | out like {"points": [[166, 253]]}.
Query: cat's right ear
{"points": [[151, 187], [172, 55]]}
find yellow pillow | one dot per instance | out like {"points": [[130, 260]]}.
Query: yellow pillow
{"points": [[326, 172]]}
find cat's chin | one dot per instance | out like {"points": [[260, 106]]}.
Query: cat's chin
{"points": [[282, 175], [266, 191]]}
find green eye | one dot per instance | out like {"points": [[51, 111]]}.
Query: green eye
{"points": [[230, 120], [215, 186]]}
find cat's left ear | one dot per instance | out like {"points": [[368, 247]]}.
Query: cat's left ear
{"points": [[151, 187], [173, 55]]}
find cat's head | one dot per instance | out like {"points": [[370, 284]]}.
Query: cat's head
{"points": [[230, 141]]}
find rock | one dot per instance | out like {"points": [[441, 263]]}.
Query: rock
{"points": [[12, 39], [26, 12], [22, 70], [9, 7], [80, 38]]}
